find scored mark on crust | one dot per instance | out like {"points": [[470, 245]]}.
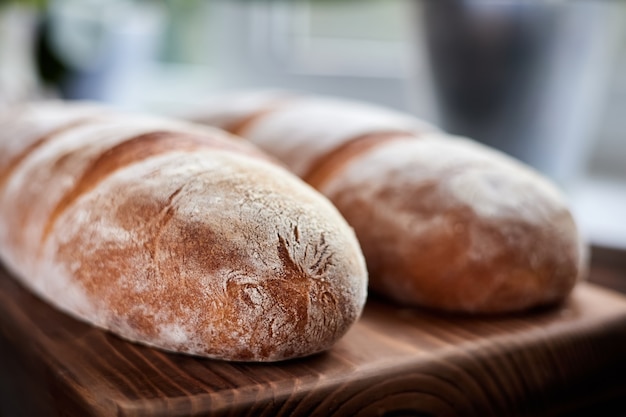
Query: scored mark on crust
{"points": [[325, 166], [296, 233], [172, 196], [133, 150], [165, 216], [323, 255], [323, 258], [285, 256], [5, 173], [240, 126]]}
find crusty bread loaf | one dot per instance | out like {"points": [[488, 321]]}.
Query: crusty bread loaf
{"points": [[444, 222], [173, 235]]}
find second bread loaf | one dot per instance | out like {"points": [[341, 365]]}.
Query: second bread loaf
{"points": [[444, 222]]}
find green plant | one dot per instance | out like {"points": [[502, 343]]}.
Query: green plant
{"points": [[33, 3]]}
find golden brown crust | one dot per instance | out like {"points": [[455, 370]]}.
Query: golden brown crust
{"points": [[326, 167], [238, 112], [447, 224], [239, 126], [11, 164], [182, 240], [135, 150], [300, 133], [217, 266]]}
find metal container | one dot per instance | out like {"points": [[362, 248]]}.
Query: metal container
{"points": [[527, 77]]}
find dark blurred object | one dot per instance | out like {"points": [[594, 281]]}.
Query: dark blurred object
{"points": [[97, 49], [484, 59], [525, 77], [51, 69], [609, 267]]}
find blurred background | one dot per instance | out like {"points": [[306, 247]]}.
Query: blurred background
{"points": [[544, 80]]}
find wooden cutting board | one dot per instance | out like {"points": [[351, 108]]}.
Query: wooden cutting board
{"points": [[393, 362]]}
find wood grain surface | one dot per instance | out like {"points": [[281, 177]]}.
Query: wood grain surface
{"points": [[395, 362]]}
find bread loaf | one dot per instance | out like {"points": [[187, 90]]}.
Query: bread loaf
{"points": [[173, 235], [444, 222]]}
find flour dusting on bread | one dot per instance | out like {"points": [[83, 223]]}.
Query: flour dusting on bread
{"points": [[175, 236]]}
